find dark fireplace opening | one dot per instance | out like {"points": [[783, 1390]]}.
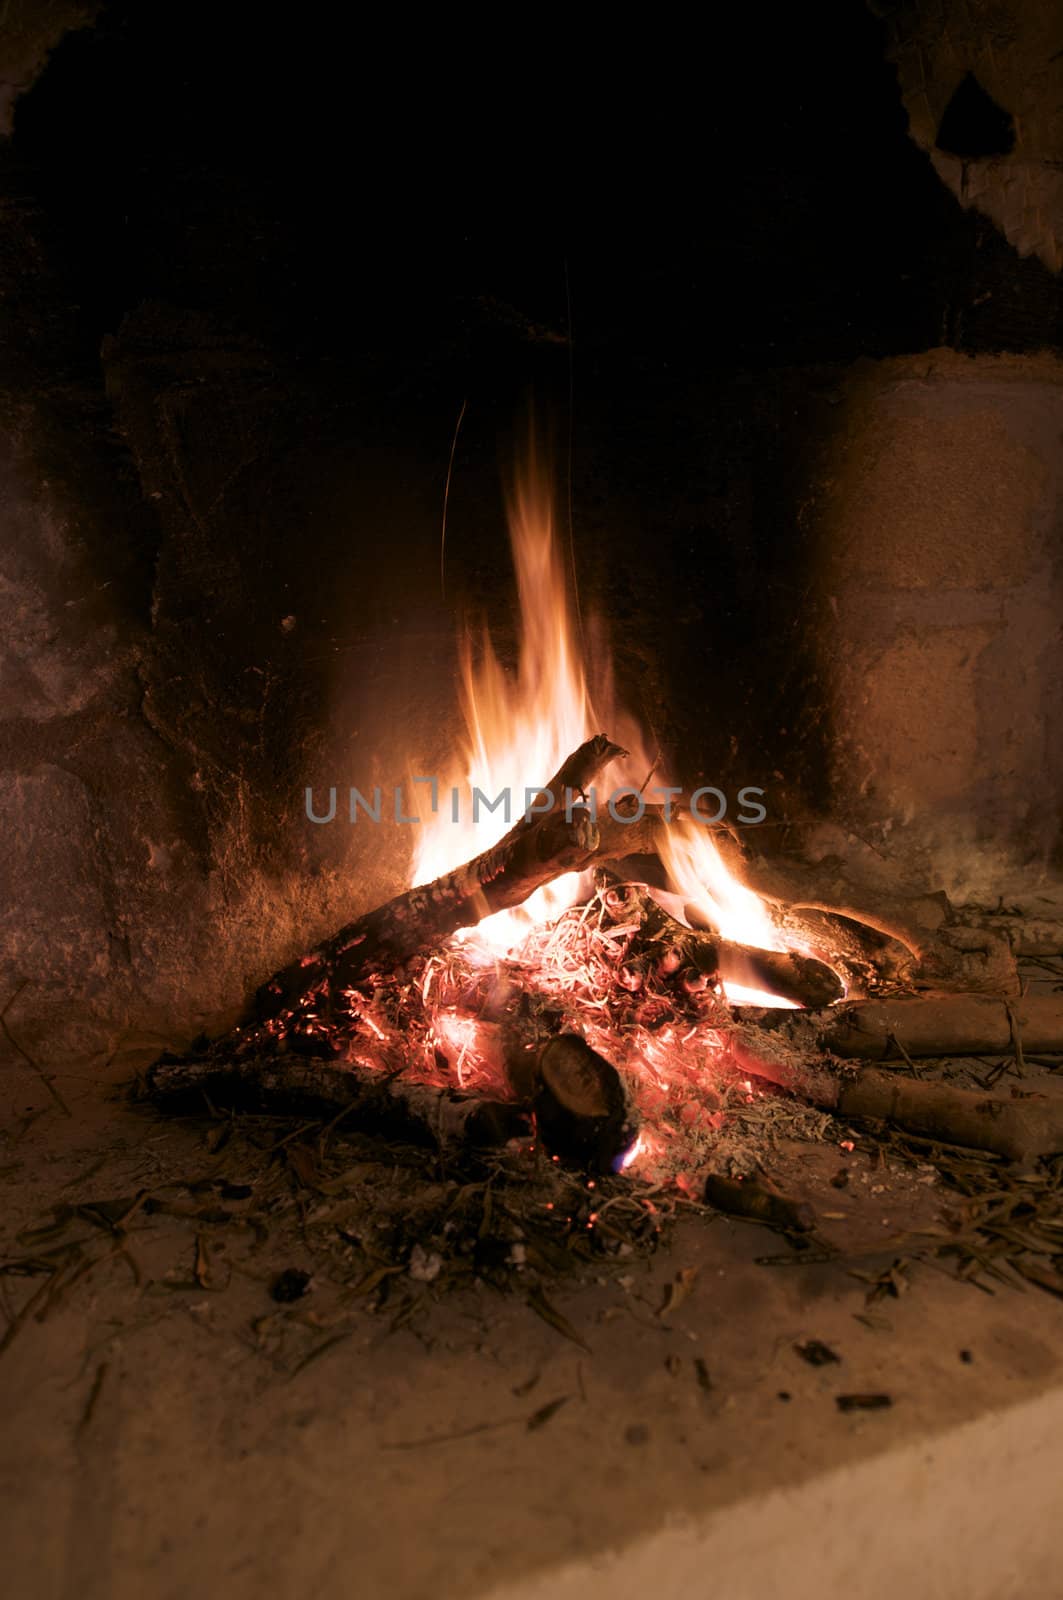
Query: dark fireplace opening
{"points": [[604, 414]]}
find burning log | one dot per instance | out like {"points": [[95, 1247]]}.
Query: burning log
{"points": [[543, 845], [304, 1086], [912, 920], [875, 937], [786, 973], [865, 957], [791, 976]]}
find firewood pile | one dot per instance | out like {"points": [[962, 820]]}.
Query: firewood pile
{"points": [[606, 1039]]}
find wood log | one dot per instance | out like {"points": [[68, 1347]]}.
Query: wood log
{"points": [[305, 1086], [536, 849], [865, 958], [581, 1110], [1029, 935], [912, 920], [920, 939], [788, 974], [1017, 1127], [944, 1025]]}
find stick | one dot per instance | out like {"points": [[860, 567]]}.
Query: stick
{"points": [[758, 1201], [786, 973], [315, 1087]]}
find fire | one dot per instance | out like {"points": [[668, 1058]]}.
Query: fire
{"points": [[703, 882], [742, 994], [520, 728], [458, 1038]]}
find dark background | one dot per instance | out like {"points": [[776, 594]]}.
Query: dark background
{"points": [[399, 219], [732, 193]]}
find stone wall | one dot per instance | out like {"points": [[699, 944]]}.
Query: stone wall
{"points": [[938, 522]]}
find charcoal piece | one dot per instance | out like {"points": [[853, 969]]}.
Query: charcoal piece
{"points": [[816, 1353], [863, 1402]]}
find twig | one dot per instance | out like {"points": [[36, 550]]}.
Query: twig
{"points": [[30, 1306], [319, 1350], [446, 499], [93, 1396], [655, 763], [459, 1433], [1016, 1039], [914, 1070]]}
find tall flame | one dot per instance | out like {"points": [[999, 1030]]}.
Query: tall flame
{"points": [[518, 731]]}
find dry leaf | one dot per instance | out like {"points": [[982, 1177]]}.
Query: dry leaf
{"points": [[544, 1413], [678, 1290], [542, 1307]]}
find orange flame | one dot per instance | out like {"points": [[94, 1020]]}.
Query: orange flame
{"points": [[518, 731]]}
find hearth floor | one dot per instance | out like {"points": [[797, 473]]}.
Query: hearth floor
{"points": [[160, 1440]]}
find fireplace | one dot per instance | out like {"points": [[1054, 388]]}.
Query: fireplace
{"points": [[533, 770]]}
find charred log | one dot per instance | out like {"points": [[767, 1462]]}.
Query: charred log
{"points": [[297, 1084], [883, 939], [537, 849], [786, 973], [865, 957], [581, 1109]]}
